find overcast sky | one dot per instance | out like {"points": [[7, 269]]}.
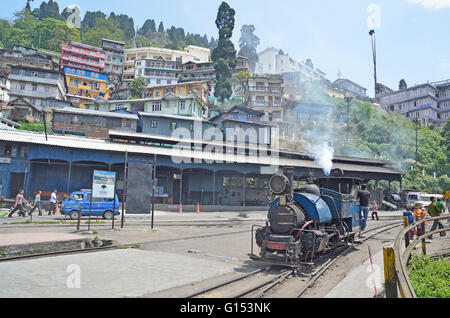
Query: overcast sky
{"points": [[412, 35]]}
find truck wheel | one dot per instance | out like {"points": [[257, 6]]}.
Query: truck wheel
{"points": [[108, 215], [74, 214]]}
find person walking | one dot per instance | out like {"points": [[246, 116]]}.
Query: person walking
{"points": [[375, 211], [441, 206], [19, 205], [364, 197], [434, 211], [53, 202], [37, 204]]}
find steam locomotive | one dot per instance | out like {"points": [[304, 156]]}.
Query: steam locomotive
{"points": [[305, 223]]}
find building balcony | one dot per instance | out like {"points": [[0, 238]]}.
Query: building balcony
{"points": [[93, 63], [84, 52]]}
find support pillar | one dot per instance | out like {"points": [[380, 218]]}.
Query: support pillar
{"points": [[214, 188], [181, 187], [69, 178], [245, 186]]}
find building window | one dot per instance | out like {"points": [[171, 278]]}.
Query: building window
{"points": [[157, 107], [191, 127], [35, 87], [182, 105], [154, 124], [22, 86], [173, 125]]}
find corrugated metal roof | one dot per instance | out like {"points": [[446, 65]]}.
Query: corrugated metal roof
{"points": [[90, 112], [208, 157]]}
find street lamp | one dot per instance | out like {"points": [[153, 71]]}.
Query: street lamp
{"points": [[374, 53]]}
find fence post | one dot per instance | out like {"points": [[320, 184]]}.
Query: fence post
{"points": [[405, 224], [423, 231], [389, 273]]}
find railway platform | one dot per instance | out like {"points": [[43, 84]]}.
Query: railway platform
{"points": [[17, 244]]}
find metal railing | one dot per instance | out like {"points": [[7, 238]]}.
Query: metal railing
{"points": [[396, 265]]}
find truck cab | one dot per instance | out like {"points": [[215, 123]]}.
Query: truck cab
{"points": [[80, 201]]}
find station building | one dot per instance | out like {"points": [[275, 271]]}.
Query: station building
{"points": [[219, 177]]}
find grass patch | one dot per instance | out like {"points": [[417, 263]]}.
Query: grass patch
{"points": [[430, 278], [127, 246]]}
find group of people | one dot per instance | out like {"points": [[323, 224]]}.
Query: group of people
{"points": [[20, 200], [435, 209]]}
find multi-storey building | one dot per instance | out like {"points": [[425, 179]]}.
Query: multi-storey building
{"points": [[114, 60], [429, 103], [83, 85], [190, 53], [5, 86], [198, 89], [274, 61], [158, 71], [192, 71], [18, 57], [169, 104], [83, 66], [266, 94], [347, 86], [91, 123], [82, 56], [36, 84]]}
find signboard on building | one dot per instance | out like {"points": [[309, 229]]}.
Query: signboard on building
{"points": [[103, 184]]}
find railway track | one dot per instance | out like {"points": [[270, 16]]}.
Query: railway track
{"points": [[257, 284]]}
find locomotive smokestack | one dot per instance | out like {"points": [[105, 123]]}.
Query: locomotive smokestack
{"points": [[289, 173]]}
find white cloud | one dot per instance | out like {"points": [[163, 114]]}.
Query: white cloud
{"points": [[432, 4]]}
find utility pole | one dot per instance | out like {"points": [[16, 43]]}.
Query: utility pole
{"points": [[374, 53], [417, 137], [348, 99]]}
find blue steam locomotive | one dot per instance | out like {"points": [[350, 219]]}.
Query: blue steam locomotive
{"points": [[306, 222]]}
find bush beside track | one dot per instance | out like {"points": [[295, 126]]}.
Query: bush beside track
{"points": [[429, 277]]}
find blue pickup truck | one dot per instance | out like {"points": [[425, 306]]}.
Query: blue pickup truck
{"points": [[80, 201]]}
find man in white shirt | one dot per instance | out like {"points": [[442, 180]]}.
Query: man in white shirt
{"points": [[53, 203]]}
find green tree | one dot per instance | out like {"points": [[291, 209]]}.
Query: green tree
{"points": [[142, 41], [125, 23], [48, 9], [137, 86], [224, 56], [103, 28], [248, 44], [243, 77], [90, 19], [402, 84], [161, 27]]}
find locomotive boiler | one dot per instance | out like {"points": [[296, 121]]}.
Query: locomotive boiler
{"points": [[309, 221]]}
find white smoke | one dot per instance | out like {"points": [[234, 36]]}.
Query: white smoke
{"points": [[322, 153]]}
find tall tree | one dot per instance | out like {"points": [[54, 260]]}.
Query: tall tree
{"points": [[402, 84], [103, 28], [224, 56], [161, 27], [248, 44], [125, 23], [137, 86], [48, 9], [90, 18]]}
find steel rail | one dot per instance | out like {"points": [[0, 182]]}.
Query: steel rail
{"points": [[272, 282], [327, 265], [68, 252], [401, 259], [272, 285], [228, 282]]}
